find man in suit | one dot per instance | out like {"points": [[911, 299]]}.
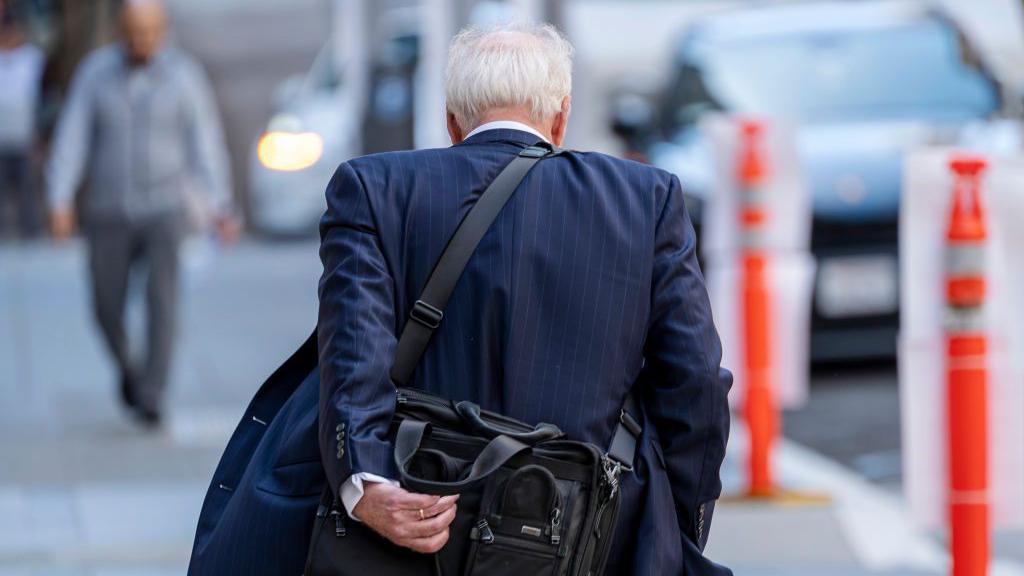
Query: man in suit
{"points": [[585, 289]]}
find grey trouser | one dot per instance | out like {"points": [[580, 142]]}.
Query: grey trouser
{"points": [[116, 249], [16, 186]]}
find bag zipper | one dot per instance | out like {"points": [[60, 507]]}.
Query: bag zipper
{"points": [[404, 395], [613, 474], [556, 526], [339, 523], [566, 538], [608, 483], [487, 538], [561, 506], [486, 535], [321, 515], [610, 535]]}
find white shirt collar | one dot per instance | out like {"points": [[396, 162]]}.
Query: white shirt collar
{"points": [[505, 125]]}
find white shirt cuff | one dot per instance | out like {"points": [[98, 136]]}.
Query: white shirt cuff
{"points": [[352, 490]]}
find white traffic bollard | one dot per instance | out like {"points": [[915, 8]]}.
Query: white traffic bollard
{"points": [[973, 310]]}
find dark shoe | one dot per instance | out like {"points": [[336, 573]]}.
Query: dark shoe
{"points": [[149, 418], [128, 397]]}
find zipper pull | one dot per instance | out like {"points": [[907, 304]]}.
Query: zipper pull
{"points": [[700, 524], [486, 536], [556, 526], [612, 472], [339, 524]]}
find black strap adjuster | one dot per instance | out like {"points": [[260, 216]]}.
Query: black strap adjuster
{"points": [[630, 423], [426, 314]]}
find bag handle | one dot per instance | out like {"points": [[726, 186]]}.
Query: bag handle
{"points": [[470, 414], [496, 454]]}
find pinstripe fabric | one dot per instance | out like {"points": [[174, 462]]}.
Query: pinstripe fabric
{"points": [[586, 286]]}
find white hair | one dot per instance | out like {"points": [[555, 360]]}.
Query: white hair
{"points": [[523, 66]]}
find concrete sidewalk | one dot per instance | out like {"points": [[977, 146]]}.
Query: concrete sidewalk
{"points": [[859, 529], [842, 526], [83, 492]]}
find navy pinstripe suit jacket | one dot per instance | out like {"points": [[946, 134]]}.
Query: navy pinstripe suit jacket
{"points": [[586, 287]]}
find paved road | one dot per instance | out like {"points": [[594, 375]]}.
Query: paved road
{"points": [[853, 416]]}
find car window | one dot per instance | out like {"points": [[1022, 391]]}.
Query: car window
{"points": [[909, 70]]}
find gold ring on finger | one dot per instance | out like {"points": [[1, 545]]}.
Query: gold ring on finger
{"points": [[422, 516]]}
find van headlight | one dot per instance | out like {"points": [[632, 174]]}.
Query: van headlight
{"points": [[289, 151]]}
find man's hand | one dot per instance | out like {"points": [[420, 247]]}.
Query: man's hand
{"points": [[416, 521], [62, 223], [228, 230]]}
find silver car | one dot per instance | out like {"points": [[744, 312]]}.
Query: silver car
{"points": [[313, 129]]}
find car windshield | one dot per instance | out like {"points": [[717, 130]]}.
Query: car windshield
{"points": [[908, 70]]}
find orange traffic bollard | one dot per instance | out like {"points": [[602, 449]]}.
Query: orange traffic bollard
{"points": [[966, 372], [759, 409]]}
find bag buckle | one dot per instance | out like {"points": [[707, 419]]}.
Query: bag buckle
{"points": [[426, 314]]}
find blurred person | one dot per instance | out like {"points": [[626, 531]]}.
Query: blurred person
{"points": [[141, 120], [21, 69], [585, 289]]}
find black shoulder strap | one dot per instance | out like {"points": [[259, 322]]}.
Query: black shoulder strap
{"points": [[428, 311]]}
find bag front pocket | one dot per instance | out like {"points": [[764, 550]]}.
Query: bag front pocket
{"points": [[519, 532], [506, 556]]}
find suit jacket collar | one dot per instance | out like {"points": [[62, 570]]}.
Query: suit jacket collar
{"points": [[517, 137]]}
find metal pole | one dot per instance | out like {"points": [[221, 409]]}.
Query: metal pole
{"points": [[351, 56], [439, 18]]}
